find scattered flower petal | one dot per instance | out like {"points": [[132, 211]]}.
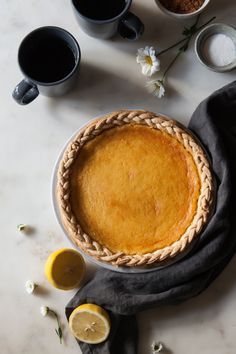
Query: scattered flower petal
{"points": [[156, 87], [44, 310], [148, 60], [30, 286], [21, 227], [157, 347]]}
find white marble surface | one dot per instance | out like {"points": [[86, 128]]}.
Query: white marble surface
{"points": [[30, 140]]}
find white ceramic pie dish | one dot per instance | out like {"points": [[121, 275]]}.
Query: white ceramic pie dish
{"points": [[86, 256]]}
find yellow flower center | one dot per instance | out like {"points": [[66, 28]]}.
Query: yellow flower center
{"points": [[148, 60]]}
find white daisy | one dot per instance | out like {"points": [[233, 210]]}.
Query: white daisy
{"points": [[148, 60], [44, 310], [30, 286], [156, 87]]}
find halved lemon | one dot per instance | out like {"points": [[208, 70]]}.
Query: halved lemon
{"points": [[90, 323], [65, 269]]}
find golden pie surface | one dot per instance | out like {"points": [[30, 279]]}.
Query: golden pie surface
{"points": [[134, 188]]}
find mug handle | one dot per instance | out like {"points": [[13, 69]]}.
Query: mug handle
{"points": [[25, 92], [130, 27]]}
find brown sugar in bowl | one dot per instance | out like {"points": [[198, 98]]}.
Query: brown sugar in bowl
{"points": [[182, 9], [182, 6]]}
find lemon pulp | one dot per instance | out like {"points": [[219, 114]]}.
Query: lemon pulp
{"points": [[90, 323]]}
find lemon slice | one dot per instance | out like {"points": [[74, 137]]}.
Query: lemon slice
{"points": [[65, 268], [90, 323]]}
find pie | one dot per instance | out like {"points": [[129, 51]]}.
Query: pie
{"points": [[134, 189]]}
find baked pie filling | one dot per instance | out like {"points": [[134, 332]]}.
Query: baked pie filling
{"points": [[134, 189]]}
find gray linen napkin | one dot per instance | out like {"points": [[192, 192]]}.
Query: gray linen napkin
{"points": [[123, 295]]}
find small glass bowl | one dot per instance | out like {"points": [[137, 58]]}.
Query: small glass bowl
{"points": [[215, 28]]}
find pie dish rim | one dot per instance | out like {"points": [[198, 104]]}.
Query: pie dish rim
{"points": [[158, 257]]}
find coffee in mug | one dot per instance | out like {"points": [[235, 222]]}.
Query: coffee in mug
{"points": [[49, 60], [101, 9]]}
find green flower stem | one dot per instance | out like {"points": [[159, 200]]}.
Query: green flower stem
{"points": [[195, 30], [184, 47], [170, 65], [58, 330]]}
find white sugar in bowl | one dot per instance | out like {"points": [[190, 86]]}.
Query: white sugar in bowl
{"points": [[215, 47]]}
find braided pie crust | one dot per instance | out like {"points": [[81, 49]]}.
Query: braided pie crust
{"points": [[171, 127]]}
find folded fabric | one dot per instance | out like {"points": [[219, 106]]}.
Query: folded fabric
{"points": [[124, 295]]}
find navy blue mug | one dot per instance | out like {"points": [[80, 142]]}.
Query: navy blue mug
{"points": [[104, 18], [49, 58]]}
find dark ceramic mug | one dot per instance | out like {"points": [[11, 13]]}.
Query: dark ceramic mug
{"points": [[104, 18], [49, 58]]}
